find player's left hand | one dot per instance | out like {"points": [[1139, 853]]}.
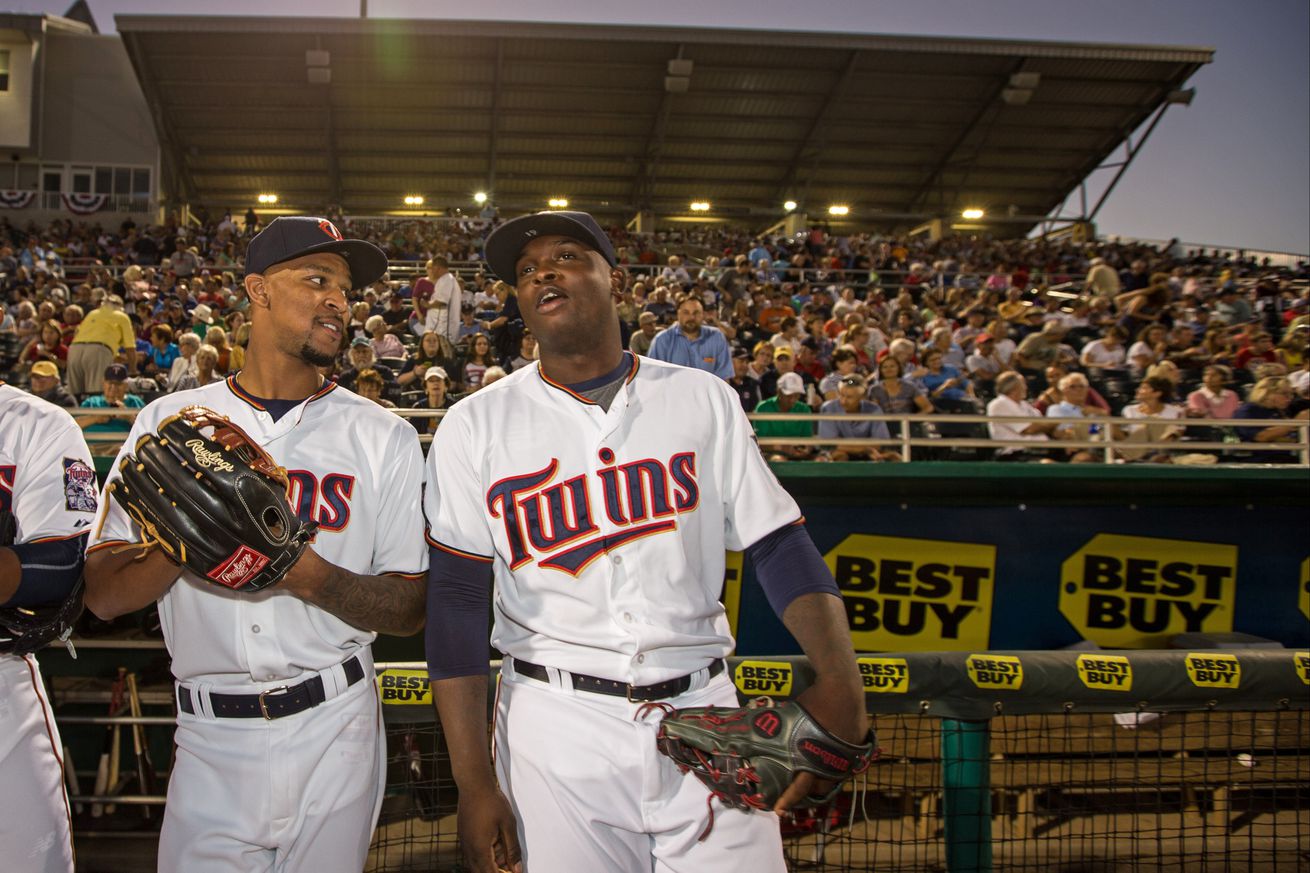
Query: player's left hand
{"points": [[838, 713]]}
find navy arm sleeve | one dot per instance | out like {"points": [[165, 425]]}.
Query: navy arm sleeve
{"points": [[459, 597], [787, 565], [50, 570]]}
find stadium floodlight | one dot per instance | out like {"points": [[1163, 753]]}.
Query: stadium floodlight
{"points": [[790, 206], [558, 203], [267, 199], [413, 200], [973, 213], [480, 197], [700, 206], [839, 209]]}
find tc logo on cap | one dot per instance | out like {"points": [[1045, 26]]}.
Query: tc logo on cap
{"points": [[329, 228]]}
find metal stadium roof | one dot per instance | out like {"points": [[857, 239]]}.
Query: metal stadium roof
{"points": [[360, 113]]}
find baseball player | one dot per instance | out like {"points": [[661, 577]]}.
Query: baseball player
{"points": [[279, 753], [47, 503], [600, 491]]}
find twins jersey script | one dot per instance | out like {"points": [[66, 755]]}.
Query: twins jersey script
{"points": [[300, 792], [48, 483], [607, 529]]}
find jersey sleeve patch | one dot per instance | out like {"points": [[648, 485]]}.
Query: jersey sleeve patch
{"points": [[79, 486]]}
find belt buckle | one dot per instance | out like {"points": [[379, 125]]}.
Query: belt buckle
{"points": [[263, 708]]}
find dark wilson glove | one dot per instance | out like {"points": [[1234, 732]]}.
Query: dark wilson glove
{"points": [[206, 494], [24, 629], [748, 756]]}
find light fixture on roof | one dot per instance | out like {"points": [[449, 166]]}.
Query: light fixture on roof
{"points": [[413, 200], [1019, 90], [1181, 97], [973, 213], [700, 206], [790, 206], [839, 209], [480, 197], [267, 199], [558, 203], [678, 80], [318, 69]]}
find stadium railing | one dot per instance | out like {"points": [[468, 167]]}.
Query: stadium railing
{"points": [[1159, 760], [919, 435]]}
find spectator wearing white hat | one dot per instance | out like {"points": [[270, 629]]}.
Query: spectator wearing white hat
{"points": [[436, 395]]}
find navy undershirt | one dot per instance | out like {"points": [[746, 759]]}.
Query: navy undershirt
{"points": [[276, 408], [603, 389]]}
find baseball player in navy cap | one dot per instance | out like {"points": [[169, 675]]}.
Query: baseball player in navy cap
{"points": [[598, 492], [280, 759]]}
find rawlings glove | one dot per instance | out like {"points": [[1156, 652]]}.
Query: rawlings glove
{"points": [[214, 501], [748, 756]]}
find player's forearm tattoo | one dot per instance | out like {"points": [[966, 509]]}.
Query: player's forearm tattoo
{"points": [[385, 604]]}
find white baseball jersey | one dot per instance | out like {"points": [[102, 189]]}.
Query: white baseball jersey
{"points": [[445, 320], [607, 529], [48, 483], [355, 469]]}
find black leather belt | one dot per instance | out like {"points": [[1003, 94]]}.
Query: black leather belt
{"points": [[634, 693], [273, 703]]}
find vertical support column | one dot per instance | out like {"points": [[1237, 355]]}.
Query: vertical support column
{"points": [[642, 222], [796, 222], [966, 796]]}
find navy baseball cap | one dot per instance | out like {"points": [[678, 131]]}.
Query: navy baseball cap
{"points": [[290, 237], [503, 246]]}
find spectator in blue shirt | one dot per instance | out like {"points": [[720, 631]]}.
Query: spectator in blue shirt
{"points": [[692, 343], [851, 393]]}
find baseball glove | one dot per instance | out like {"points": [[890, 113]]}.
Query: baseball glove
{"points": [[748, 756], [206, 494], [25, 629]]}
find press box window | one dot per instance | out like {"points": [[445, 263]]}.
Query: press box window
{"points": [[4, 69]]}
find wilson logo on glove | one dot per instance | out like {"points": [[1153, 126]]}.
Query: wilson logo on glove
{"points": [[240, 567], [824, 756], [767, 724]]}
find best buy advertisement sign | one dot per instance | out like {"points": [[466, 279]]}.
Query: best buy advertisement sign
{"points": [[1137, 592], [905, 594]]}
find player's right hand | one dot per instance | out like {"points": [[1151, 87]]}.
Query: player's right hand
{"points": [[489, 833]]}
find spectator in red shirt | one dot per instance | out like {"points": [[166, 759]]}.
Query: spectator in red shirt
{"points": [[1260, 351]]}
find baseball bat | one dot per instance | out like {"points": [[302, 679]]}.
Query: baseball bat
{"points": [[116, 749], [145, 770], [74, 784], [102, 766]]}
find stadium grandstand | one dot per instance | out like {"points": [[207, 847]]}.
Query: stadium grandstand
{"points": [[896, 235]]}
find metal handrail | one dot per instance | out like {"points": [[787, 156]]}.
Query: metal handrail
{"points": [[1106, 442]]}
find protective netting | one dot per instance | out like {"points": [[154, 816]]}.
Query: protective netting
{"points": [[1060, 793]]}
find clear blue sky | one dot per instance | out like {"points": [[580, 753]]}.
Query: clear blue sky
{"points": [[1232, 169]]}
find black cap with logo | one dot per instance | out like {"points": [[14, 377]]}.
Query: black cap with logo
{"points": [[506, 242], [290, 237]]}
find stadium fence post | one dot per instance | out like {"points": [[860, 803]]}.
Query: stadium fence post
{"points": [[966, 796]]}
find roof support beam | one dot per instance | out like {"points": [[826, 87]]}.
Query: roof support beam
{"points": [[644, 182], [333, 156], [170, 145], [494, 122], [1132, 150], [811, 146], [990, 108]]}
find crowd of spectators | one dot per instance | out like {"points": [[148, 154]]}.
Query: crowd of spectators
{"points": [[844, 326]]}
